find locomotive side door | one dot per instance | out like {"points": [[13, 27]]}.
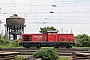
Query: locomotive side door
{"points": [[52, 36]]}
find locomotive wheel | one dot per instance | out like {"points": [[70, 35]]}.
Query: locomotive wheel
{"points": [[27, 46], [68, 46], [56, 46], [38, 46]]}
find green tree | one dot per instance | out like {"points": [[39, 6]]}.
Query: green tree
{"points": [[43, 30], [83, 40]]}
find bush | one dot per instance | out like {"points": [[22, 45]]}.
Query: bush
{"points": [[46, 54], [5, 43]]}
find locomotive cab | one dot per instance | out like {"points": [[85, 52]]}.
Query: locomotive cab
{"points": [[52, 36]]}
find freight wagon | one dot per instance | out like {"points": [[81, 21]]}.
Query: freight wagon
{"points": [[51, 38]]}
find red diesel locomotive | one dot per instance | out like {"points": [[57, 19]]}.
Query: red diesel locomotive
{"points": [[51, 38]]}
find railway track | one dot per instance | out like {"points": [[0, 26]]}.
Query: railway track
{"points": [[60, 51]]}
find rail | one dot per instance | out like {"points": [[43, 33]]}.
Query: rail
{"points": [[60, 51]]}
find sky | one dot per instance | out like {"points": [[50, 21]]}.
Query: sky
{"points": [[68, 14]]}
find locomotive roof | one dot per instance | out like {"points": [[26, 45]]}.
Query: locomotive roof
{"points": [[52, 31]]}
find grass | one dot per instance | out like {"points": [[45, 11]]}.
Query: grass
{"points": [[20, 57], [80, 47], [64, 58]]}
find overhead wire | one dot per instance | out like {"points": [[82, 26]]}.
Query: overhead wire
{"points": [[46, 13]]}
